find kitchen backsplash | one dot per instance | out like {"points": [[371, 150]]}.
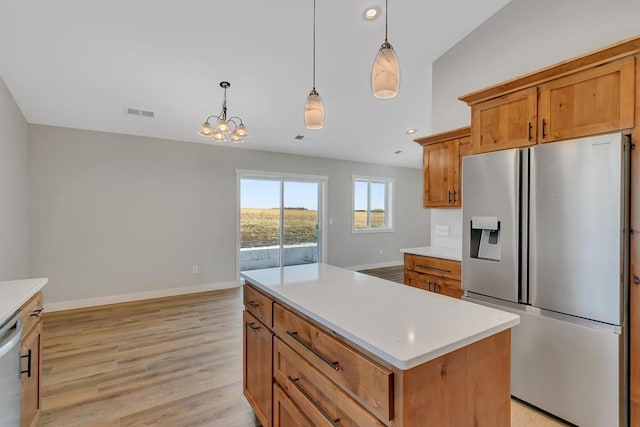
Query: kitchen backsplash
{"points": [[446, 221]]}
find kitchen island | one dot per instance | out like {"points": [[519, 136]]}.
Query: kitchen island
{"points": [[344, 345]]}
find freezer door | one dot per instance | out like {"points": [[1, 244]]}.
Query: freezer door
{"points": [[577, 212], [491, 193]]}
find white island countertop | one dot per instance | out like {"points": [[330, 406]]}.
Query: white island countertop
{"points": [[402, 325], [14, 293], [454, 254]]}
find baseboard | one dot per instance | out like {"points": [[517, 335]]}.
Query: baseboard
{"points": [[115, 299], [376, 265]]}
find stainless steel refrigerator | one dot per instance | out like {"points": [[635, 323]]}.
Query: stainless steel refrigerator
{"points": [[545, 236]]}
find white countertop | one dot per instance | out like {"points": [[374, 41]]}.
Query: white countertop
{"points": [[402, 325], [14, 293], [454, 254]]}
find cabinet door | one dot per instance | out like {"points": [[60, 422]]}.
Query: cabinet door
{"points": [[438, 171], [589, 102], [505, 122], [30, 377], [462, 148], [258, 365], [421, 281], [286, 413]]}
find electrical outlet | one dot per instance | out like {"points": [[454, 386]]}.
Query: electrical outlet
{"points": [[194, 269], [442, 230]]}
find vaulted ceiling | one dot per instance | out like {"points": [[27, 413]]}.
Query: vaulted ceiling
{"points": [[79, 64]]}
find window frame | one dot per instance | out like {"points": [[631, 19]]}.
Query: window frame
{"points": [[388, 204]]}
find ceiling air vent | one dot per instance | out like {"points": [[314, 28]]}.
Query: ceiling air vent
{"points": [[299, 137], [130, 111]]}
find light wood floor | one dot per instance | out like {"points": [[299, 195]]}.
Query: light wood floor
{"points": [[170, 362]]}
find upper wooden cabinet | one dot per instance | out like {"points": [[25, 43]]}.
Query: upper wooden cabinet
{"points": [[589, 102], [588, 95], [505, 122], [442, 167]]}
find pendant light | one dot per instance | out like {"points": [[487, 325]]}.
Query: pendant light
{"points": [[314, 110], [385, 77]]}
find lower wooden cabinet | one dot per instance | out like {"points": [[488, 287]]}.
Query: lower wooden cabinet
{"points": [[30, 376], [315, 378], [30, 366], [433, 274], [285, 412], [258, 375]]}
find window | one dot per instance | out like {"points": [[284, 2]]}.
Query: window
{"points": [[372, 204]]}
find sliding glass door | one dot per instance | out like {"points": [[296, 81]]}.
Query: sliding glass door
{"points": [[280, 220]]}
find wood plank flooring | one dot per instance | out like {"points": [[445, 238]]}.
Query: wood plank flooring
{"points": [[167, 362]]}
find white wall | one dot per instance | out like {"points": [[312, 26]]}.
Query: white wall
{"points": [[522, 37], [14, 181], [116, 214]]}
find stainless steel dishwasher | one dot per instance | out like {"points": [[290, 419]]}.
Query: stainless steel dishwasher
{"points": [[10, 334]]}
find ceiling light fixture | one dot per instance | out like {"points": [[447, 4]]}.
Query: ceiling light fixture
{"points": [[371, 13], [314, 110], [411, 131], [222, 131], [385, 77]]}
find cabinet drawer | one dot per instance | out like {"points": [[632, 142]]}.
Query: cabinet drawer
{"points": [[368, 382], [285, 412], [433, 266], [30, 313], [258, 304], [318, 397]]}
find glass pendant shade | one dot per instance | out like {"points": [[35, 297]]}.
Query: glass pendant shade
{"points": [[236, 138], [241, 131], [385, 77], [314, 111], [223, 127], [205, 130], [218, 136]]}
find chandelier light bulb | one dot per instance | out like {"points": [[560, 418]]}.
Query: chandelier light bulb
{"points": [[241, 131], [218, 136]]}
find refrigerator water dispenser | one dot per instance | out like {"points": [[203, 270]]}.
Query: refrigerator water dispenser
{"points": [[485, 238]]}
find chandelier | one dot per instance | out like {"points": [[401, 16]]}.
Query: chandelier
{"points": [[223, 132]]}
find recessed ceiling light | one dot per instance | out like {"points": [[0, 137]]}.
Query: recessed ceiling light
{"points": [[371, 13], [411, 131]]}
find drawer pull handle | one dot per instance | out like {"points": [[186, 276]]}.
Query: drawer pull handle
{"points": [[334, 365], [253, 326], [252, 304], [294, 381], [37, 313], [426, 267], [28, 357]]}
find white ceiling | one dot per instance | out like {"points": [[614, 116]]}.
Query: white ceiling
{"points": [[78, 63]]}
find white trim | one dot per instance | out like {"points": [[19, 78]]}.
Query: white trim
{"points": [[247, 173], [138, 296], [376, 265]]}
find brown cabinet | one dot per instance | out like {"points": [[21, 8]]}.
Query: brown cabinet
{"points": [[442, 167], [285, 412], [433, 274], [593, 101], [258, 356], [505, 122], [322, 379], [596, 100], [30, 360]]}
